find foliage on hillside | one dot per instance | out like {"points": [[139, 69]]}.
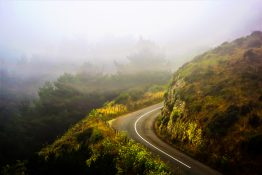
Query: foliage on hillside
{"points": [[91, 147], [112, 109], [128, 102], [213, 107], [27, 125]]}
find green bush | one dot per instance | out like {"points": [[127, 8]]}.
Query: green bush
{"points": [[222, 121]]}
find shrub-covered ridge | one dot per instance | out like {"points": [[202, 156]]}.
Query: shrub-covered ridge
{"points": [[91, 146], [213, 107]]}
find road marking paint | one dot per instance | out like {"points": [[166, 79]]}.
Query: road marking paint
{"points": [[151, 143]]}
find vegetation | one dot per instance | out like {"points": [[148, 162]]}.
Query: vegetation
{"points": [[92, 146], [213, 107], [29, 124]]}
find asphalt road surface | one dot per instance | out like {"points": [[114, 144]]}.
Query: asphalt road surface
{"points": [[139, 126]]}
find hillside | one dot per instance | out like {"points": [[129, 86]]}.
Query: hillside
{"points": [[213, 107], [91, 146], [29, 123]]}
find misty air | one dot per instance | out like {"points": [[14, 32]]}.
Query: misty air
{"points": [[131, 87]]}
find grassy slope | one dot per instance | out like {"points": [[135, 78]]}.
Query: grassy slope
{"points": [[92, 147], [213, 107], [27, 124]]}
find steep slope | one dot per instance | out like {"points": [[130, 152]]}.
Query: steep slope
{"points": [[213, 107], [91, 146]]}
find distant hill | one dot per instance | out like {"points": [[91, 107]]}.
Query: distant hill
{"points": [[213, 107]]}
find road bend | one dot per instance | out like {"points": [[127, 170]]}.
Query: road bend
{"points": [[139, 126]]}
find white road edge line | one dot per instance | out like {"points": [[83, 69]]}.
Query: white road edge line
{"points": [[135, 126]]}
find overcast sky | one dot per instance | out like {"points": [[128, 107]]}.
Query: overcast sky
{"points": [[80, 30]]}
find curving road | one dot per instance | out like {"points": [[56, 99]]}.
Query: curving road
{"points": [[139, 126]]}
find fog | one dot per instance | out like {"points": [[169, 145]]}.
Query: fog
{"points": [[48, 38]]}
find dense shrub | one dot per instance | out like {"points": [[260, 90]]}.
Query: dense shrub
{"points": [[223, 121]]}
